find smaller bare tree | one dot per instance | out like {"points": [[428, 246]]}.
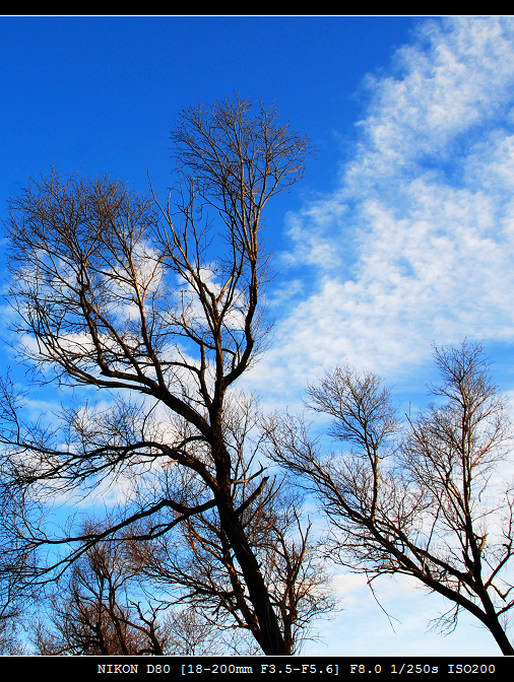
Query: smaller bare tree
{"points": [[12, 567], [99, 610], [103, 608], [426, 504]]}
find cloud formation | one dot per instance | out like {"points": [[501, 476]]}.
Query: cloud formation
{"points": [[416, 244]]}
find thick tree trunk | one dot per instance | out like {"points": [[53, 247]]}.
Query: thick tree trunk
{"points": [[501, 638], [270, 637], [492, 623]]}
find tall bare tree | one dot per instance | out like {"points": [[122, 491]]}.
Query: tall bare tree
{"points": [[157, 304], [431, 504]]}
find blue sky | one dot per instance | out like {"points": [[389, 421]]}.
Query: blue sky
{"points": [[401, 234]]}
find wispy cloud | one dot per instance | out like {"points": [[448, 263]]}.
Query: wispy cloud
{"points": [[416, 244]]}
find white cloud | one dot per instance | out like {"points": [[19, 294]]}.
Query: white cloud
{"points": [[416, 244], [457, 75]]}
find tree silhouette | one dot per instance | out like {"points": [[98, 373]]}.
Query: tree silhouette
{"points": [[430, 504], [157, 304]]}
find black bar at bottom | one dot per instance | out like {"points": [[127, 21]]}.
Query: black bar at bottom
{"points": [[77, 668]]}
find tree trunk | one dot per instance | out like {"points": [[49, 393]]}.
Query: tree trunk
{"points": [[501, 638], [271, 638], [492, 623]]}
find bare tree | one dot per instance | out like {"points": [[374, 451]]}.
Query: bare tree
{"points": [[430, 504], [10, 640], [158, 305], [11, 615], [103, 607], [98, 610], [12, 567]]}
